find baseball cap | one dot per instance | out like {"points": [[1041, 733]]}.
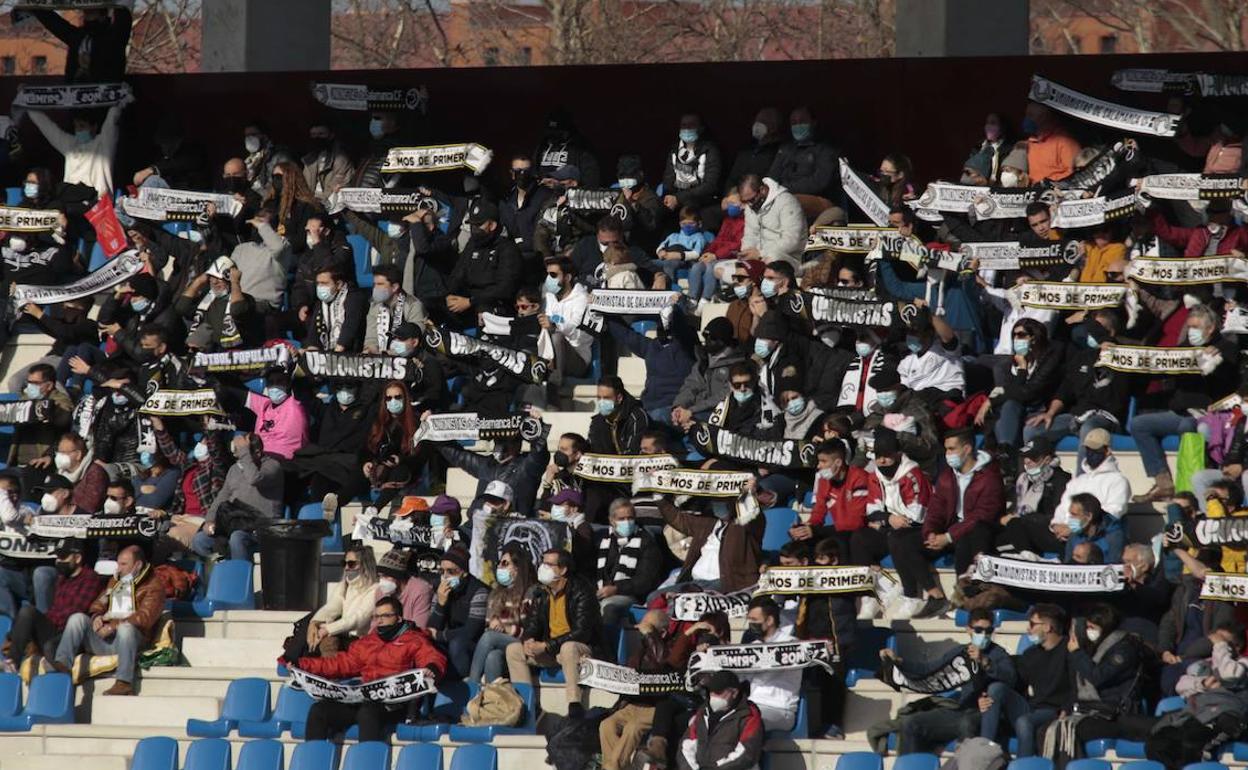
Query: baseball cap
{"points": [[568, 495], [482, 211], [1097, 438], [499, 490], [53, 482], [1036, 448]]}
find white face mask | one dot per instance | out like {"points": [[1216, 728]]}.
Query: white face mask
{"points": [[546, 574], [1009, 179], [387, 586], [49, 503], [1094, 635], [63, 461], [112, 507], [718, 703]]}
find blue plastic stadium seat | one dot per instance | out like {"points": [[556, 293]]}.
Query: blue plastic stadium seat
{"points": [[261, 755], [290, 714], [208, 754], [1239, 750], [641, 327], [10, 695], [486, 733], [799, 729], [230, 587], [474, 756], [362, 253], [1089, 764], [314, 755], [419, 756], [448, 704], [1142, 764], [369, 755], [6, 625], [1031, 763], [246, 699], [12, 196], [777, 532], [1099, 747], [1205, 766], [98, 258], [1125, 749], [331, 543], [918, 762], [49, 701], [551, 676], [860, 760], [155, 753]]}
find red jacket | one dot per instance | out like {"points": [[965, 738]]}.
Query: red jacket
{"points": [[1194, 240], [843, 506], [370, 658], [728, 240], [983, 503]]}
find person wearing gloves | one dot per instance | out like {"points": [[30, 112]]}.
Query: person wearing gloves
{"points": [[775, 227], [219, 318], [564, 310], [392, 647], [459, 611], [348, 609], [968, 499], [727, 731]]}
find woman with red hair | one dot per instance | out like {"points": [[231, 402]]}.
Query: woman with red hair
{"points": [[390, 458]]}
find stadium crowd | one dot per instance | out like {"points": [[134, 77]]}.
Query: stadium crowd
{"points": [[906, 401]]}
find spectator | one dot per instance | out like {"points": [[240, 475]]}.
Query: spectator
{"points": [[1100, 252], [711, 270], [1037, 492], [326, 168], [746, 275], [281, 422], [685, 245], [775, 227], [839, 498], [927, 730], [567, 507], [394, 646], [633, 715], [26, 579], [1044, 673], [856, 393], [1101, 478], [1025, 382], [1088, 523], [904, 411], [95, 51], [522, 205], [645, 211], [262, 262], [1219, 236], [805, 165], [708, 382], [426, 381], [520, 474], [77, 465], [383, 131], [506, 609], [669, 357], [629, 564], [966, 503], [36, 634], [619, 420], [325, 251], [459, 611], [562, 145], [559, 474], [725, 550], [565, 304], [932, 368], [1050, 150], [561, 628], [391, 460], [251, 494], [488, 271], [203, 471], [347, 612], [339, 317], [621, 270], [1146, 593], [157, 481], [1191, 626], [330, 463], [692, 175], [996, 142], [395, 578], [727, 732], [89, 151], [765, 143], [775, 694], [121, 622], [893, 181], [220, 318], [36, 441]]}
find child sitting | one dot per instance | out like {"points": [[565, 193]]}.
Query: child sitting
{"points": [[704, 276], [621, 271], [679, 247]]}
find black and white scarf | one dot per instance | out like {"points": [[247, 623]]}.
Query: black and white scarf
{"points": [[1105, 113], [389, 318], [71, 97], [229, 336], [629, 552], [852, 381], [329, 320]]}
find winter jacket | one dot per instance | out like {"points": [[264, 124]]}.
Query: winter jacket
{"points": [[740, 545], [807, 168], [263, 266], [644, 576], [756, 159], [1171, 629], [693, 173], [758, 418], [554, 152], [728, 240], [464, 615], [42, 263], [1198, 391], [520, 218], [1110, 537], [921, 445], [327, 172], [370, 658], [619, 433], [1088, 387], [962, 303], [777, 689], [1036, 384], [1116, 675], [258, 486], [39, 439], [348, 607], [428, 250], [487, 273], [94, 53], [687, 247], [956, 512], [778, 229], [841, 507], [825, 374], [1051, 491], [149, 602], [582, 615], [907, 494], [1194, 241], [668, 358], [707, 383], [1106, 483], [729, 741], [413, 312], [354, 321], [567, 314], [522, 474]]}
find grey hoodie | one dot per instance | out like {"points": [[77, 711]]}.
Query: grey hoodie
{"points": [[708, 382]]}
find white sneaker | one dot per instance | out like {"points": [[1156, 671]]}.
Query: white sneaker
{"points": [[905, 608], [869, 608], [698, 308], [330, 506]]}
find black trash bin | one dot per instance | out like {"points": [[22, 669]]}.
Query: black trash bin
{"points": [[290, 563]]}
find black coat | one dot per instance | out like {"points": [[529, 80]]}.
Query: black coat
{"points": [[521, 219], [1088, 387], [106, 42], [646, 576], [619, 434], [488, 273], [1035, 386], [582, 609], [355, 317]]}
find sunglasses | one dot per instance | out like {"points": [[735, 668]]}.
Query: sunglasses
{"points": [[982, 629], [351, 563], [740, 278], [741, 385]]}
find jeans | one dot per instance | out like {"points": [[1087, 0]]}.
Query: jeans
{"points": [[669, 267], [1025, 720], [614, 610], [931, 730], [15, 586], [44, 581], [327, 718], [1063, 425], [702, 281], [243, 545], [124, 643], [1149, 429], [1011, 416], [489, 660], [32, 626]]}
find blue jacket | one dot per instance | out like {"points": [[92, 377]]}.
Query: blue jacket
{"points": [[999, 668], [1110, 540], [962, 300], [668, 359]]}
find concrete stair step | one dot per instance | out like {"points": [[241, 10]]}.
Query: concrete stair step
{"points": [[152, 710], [232, 653], [62, 761]]}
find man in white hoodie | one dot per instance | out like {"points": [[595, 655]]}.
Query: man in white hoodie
{"points": [[1100, 478], [775, 693], [775, 227], [565, 306], [88, 151]]}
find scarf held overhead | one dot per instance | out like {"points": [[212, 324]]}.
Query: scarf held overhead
{"points": [[691, 607], [1094, 110], [470, 426], [1187, 271], [763, 657], [1224, 587], [1148, 360], [452, 344], [711, 440], [114, 271], [28, 220], [71, 97], [621, 468], [174, 403], [862, 195], [361, 98], [815, 580], [442, 157]]}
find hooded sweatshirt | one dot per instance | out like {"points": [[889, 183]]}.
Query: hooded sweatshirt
{"points": [[963, 501], [1106, 483], [906, 494], [778, 229]]}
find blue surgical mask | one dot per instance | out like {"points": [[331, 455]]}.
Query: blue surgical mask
{"points": [[980, 640], [1035, 472], [345, 397], [146, 459], [768, 287], [394, 405], [381, 295], [394, 229], [1075, 525], [437, 522], [83, 136], [200, 452], [31, 190], [1022, 347], [398, 347], [625, 528], [559, 512], [863, 349], [801, 131], [374, 128], [276, 395], [732, 210], [453, 581], [742, 395], [606, 406], [954, 461], [914, 345], [503, 576], [886, 399], [1092, 343], [796, 406], [140, 304], [325, 293], [120, 399], [32, 391], [1195, 337], [1035, 638], [742, 290], [688, 228], [552, 285], [762, 348], [689, 135]]}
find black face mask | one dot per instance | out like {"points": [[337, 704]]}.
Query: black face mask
{"points": [[1094, 457], [321, 144], [278, 183], [887, 471], [561, 460], [523, 177], [390, 633], [756, 629], [146, 356], [65, 568]]}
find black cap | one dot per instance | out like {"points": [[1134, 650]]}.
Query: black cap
{"points": [[405, 331], [628, 167], [886, 442], [720, 329], [885, 380], [771, 326], [144, 285], [719, 681], [71, 545], [53, 482], [1036, 448], [482, 211]]}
